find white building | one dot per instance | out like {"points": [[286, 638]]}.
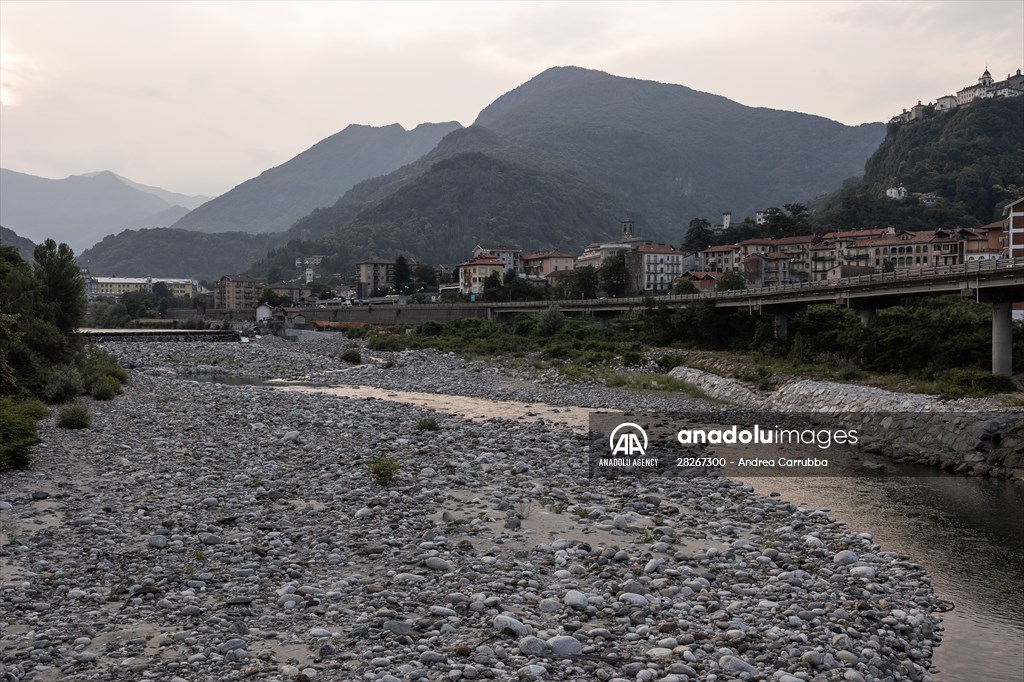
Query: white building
{"points": [[511, 257], [896, 193]]}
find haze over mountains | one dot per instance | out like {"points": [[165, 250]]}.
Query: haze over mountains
{"points": [[554, 163], [82, 209]]}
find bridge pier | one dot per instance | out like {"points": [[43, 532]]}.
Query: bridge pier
{"points": [[1002, 343], [781, 326]]}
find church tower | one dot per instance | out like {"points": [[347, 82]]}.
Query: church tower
{"points": [[986, 79], [627, 228]]}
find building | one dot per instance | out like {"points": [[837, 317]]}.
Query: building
{"points": [[1013, 241], [987, 88], [511, 257], [475, 271], [704, 281], [652, 268], [376, 274], [544, 263], [946, 102], [766, 269], [594, 254], [101, 287], [236, 292], [896, 193]]}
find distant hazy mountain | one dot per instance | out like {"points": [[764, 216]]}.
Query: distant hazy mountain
{"points": [[188, 201], [24, 246], [662, 154], [167, 252], [79, 209], [317, 177]]}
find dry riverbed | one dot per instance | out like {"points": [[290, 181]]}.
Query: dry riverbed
{"points": [[205, 531]]}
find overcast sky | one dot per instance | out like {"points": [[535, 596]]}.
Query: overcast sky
{"points": [[197, 97]]}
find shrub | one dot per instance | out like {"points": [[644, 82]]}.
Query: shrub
{"points": [[550, 321], [75, 416], [98, 365], [383, 468], [61, 383], [430, 328], [352, 356], [426, 424], [105, 388], [18, 431]]}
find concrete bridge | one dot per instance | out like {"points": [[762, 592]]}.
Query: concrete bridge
{"points": [[999, 283]]}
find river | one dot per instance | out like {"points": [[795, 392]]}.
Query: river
{"points": [[968, 532]]}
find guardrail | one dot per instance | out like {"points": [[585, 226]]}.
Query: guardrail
{"points": [[901, 274]]}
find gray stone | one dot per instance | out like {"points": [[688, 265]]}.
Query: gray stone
{"points": [[847, 556], [398, 627], [210, 539], [436, 563], [564, 645], [736, 665], [157, 541], [506, 623], [534, 646]]}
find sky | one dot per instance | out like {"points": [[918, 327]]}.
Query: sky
{"points": [[197, 97]]}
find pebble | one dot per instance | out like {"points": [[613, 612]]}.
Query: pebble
{"points": [[251, 565]]}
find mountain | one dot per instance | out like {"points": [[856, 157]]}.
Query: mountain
{"points": [[79, 209], [24, 246], [660, 153], [168, 252], [187, 201], [970, 158], [317, 177]]}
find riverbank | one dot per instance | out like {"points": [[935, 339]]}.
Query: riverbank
{"points": [[202, 531]]}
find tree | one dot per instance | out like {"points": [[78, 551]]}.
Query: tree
{"points": [[62, 290], [426, 275], [731, 281], [698, 236], [582, 283], [161, 290], [274, 274], [274, 299], [402, 274], [683, 287], [614, 276]]}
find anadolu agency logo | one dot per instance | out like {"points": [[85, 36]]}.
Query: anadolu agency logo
{"points": [[628, 443]]}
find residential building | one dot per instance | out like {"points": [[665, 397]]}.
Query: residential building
{"points": [[475, 271], [983, 243], [946, 102], [896, 193], [766, 269], [510, 256], [1013, 241], [704, 281], [724, 258], [376, 273], [540, 265], [594, 254], [236, 292], [292, 291], [653, 267]]}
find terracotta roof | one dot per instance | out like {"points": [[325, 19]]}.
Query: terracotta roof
{"points": [[698, 274], [482, 261], [547, 254], [721, 249]]}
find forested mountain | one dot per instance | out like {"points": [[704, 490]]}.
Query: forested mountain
{"points": [[168, 252], [78, 210], [971, 158], [24, 247], [658, 153], [317, 177], [472, 198]]}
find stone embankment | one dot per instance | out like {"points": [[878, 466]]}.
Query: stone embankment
{"points": [[202, 531], [968, 436]]}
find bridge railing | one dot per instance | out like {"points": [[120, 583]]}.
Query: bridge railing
{"points": [[934, 271]]}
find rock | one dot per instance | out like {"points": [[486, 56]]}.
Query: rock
{"points": [[231, 645], [39, 495], [398, 627], [534, 646], [319, 632], [847, 556], [507, 624], [157, 541], [564, 645], [736, 665], [866, 572], [436, 563], [210, 539], [812, 659], [363, 514], [575, 599], [532, 672]]}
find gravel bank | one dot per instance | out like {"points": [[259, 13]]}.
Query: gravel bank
{"points": [[203, 531]]}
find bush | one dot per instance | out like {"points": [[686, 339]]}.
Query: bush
{"points": [[75, 416], [60, 384], [960, 383], [352, 356], [550, 322], [383, 468], [99, 365], [105, 388], [18, 431], [426, 424]]}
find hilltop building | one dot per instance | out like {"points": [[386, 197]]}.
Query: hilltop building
{"points": [[985, 88]]}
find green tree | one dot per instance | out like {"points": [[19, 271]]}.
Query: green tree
{"points": [[274, 299], [62, 289], [683, 287], [161, 290], [274, 275], [402, 274], [699, 235], [426, 275], [731, 281], [614, 276]]}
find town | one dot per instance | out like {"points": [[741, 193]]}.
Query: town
{"points": [[644, 268]]}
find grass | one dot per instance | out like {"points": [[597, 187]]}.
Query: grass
{"points": [[427, 424], [352, 356], [384, 468], [656, 382]]}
